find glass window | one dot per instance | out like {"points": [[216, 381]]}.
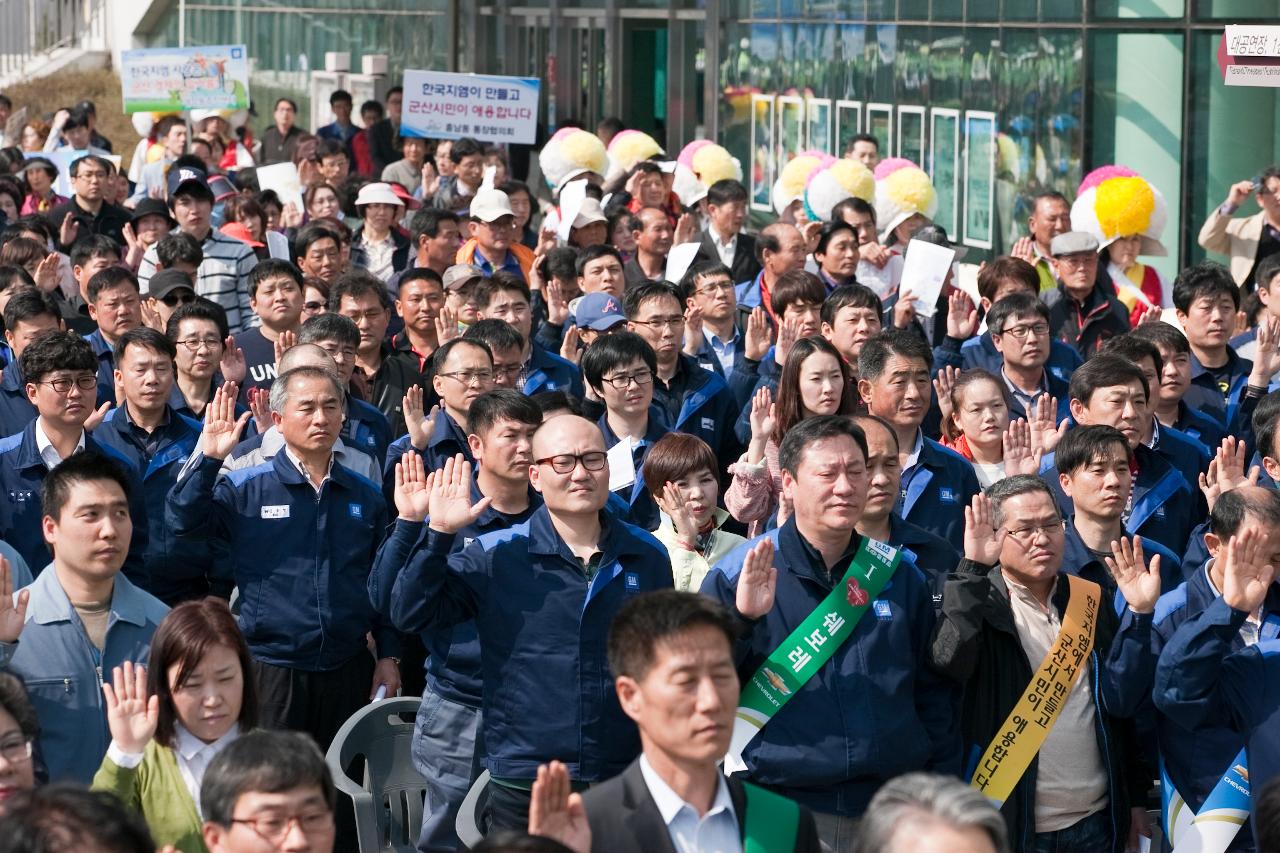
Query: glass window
{"points": [[1237, 9], [1108, 9]]}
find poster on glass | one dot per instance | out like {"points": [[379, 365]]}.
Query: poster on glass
{"points": [[763, 152], [880, 125], [820, 125], [911, 134], [944, 164], [791, 121], [848, 125], [979, 178]]}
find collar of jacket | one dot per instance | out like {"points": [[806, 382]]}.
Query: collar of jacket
{"points": [[49, 602]]}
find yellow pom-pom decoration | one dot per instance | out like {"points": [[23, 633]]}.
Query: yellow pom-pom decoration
{"points": [[902, 194], [628, 148], [711, 163], [1124, 206], [792, 180]]}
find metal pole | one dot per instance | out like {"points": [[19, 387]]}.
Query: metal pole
{"points": [[182, 23]]}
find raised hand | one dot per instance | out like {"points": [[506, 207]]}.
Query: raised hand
{"points": [[962, 315], [686, 229], [692, 329], [557, 307], [446, 325], [1150, 314], [222, 429], [1025, 249], [1266, 359], [1240, 190], [681, 518], [904, 310], [811, 232], [1227, 471], [284, 342], [260, 408], [291, 216], [787, 336], [430, 180], [150, 316], [875, 254], [569, 346], [13, 612], [69, 230], [757, 337], [232, 364], [1045, 433], [95, 417], [133, 256], [763, 418], [413, 487], [449, 504], [47, 272], [758, 581], [786, 507], [1247, 575], [557, 813], [132, 715], [1139, 582], [1019, 457], [943, 385], [982, 542], [419, 426]]}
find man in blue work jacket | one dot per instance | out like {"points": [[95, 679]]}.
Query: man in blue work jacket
{"points": [[65, 633], [157, 441], [1206, 300], [28, 314], [1200, 679], [695, 400], [60, 370], [364, 428], [937, 483], [505, 296], [461, 370], [1112, 391], [444, 744], [873, 710], [302, 533], [542, 595], [116, 306], [1194, 759]]}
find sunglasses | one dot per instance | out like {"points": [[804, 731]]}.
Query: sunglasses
{"points": [[178, 297]]}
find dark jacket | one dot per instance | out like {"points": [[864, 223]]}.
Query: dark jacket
{"points": [[642, 508], [1087, 326], [110, 220], [1203, 428], [937, 490], [277, 148], [1195, 758], [1077, 559], [179, 570], [707, 408], [396, 375], [1200, 679], [548, 691], [981, 352], [977, 645], [746, 265], [16, 410], [872, 712], [384, 144], [366, 428], [547, 371], [934, 556], [625, 819], [1222, 404], [105, 354], [300, 559]]}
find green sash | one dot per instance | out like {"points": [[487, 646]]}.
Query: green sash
{"points": [[811, 645], [771, 822]]}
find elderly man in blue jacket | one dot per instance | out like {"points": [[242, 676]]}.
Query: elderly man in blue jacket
{"points": [[302, 532], [1200, 741], [872, 709], [542, 594], [64, 634]]}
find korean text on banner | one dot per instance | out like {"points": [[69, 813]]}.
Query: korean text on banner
{"points": [[173, 79], [442, 105]]}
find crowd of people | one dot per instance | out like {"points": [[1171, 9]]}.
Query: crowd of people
{"points": [[691, 536]]}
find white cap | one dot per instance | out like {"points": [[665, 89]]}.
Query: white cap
{"points": [[589, 212], [378, 193], [489, 205]]}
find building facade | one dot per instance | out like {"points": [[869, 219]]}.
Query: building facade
{"points": [[997, 99]]}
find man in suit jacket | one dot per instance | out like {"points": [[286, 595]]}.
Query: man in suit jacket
{"points": [[723, 241], [671, 655], [1249, 239]]}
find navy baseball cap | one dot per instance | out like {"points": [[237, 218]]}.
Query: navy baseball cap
{"points": [[185, 179], [599, 311]]}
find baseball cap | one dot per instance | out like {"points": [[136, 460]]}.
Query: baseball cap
{"points": [[187, 178], [406, 197], [239, 231], [937, 235], [590, 212], [39, 163], [152, 207], [221, 188], [599, 311], [459, 276], [166, 281], [1073, 243], [489, 205], [378, 193]]}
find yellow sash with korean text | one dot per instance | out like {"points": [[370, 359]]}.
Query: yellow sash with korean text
{"points": [[1018, 740]]}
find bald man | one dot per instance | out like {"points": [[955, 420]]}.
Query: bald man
{"points": [[261, 446], [781, 249], [542, 594]]}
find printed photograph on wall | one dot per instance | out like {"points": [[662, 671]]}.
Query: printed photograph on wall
{"points": [[820, 125], [791, 121], [979, 177], [848, 125], [880, 125], [944, 164], [763, 151], [911, 135]]}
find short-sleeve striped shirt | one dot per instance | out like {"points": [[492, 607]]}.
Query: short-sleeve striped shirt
{"points": [[223, 277]]}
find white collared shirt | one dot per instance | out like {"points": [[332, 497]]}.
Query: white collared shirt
{"points": [[1251, 630], [726, 249], [194, 757], [914, 456], [49, 453], [716, 832], [302, 469]]}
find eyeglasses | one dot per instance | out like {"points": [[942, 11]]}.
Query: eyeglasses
{"points": [[470, 377], [1027, 535], [197, 344], [313, 307], [62, 384], [16, 750], [510, 371], [372, 315], [660, 323], [275, 827], [623, 381], [185, 297], [1020, 332], [564, 463], [715, 287]]}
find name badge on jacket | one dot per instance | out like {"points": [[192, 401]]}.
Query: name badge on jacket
{"points": [[280, 511]]}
